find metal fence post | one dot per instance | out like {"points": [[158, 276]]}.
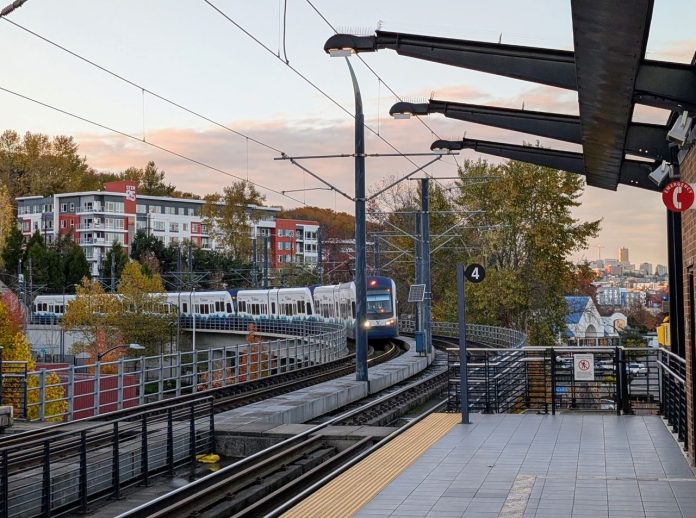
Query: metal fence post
{"points": [[119, 382], [178, 373], [42, 394], [141, 396], [211, 443], [553, 381], [83, 471], [144, 455], [5, 481], [170, 443], [192, 434], [116, 463], [194, 370], [626, 403], [618, 400], [97, 389], [46, 480], [488, 391]]}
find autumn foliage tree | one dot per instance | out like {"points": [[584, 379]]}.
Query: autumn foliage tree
{"points": [[230, 216], [18, 366]]}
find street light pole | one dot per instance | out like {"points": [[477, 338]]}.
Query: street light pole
{"points": [[360, 236]]}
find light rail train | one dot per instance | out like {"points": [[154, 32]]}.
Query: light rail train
{"points": [[333, 303]]}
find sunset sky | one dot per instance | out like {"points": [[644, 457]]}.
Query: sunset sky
{"points": [[188, 52]]}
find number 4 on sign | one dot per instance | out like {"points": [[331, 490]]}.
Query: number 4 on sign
{"points": [[475, 273]]}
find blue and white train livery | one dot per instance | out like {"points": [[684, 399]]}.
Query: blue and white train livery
{"points": [[333, 303]]}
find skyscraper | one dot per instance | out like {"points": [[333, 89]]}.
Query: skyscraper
{"points": [[623, 256]]}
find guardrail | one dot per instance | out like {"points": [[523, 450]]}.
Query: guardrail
{"points": [[491, 336], [91, 389], [51, 476]]}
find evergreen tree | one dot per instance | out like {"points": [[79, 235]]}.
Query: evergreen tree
{"points": [[13, 251], [119, 258]]}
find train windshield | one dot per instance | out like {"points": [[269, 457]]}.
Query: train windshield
{"points": [[379, 303]]}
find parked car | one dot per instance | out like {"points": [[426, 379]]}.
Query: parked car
{"points": [[636, 368]]}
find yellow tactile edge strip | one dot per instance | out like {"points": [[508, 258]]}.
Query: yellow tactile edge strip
{"points": [[346, 494]]}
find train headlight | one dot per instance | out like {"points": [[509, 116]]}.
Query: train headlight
{"points": [[367, 324], [390, 322]]}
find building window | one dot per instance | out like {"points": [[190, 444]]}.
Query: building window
{"points": [[184, 227], [64, 207], [280, 245], [72, 207], [62, 223], [26, 226], [72, 223], [158, 225], [140, 208], [173, 227]]}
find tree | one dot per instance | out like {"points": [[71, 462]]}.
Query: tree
{"points": [[7, 220], [119, 258], [13, 250], [93, 315], [150, 180], [529, 235], [230, 216], [36, 164], [144, 318]]}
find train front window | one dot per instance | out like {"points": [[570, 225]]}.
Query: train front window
{"points": [[379, 304]]}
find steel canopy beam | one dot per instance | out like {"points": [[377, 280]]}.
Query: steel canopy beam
{"points": [[546, 66], [666, 85], [661, 84], [633, 172], [647, 140]]}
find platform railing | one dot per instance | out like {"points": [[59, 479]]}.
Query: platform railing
{"points": [[66, 471], [90, 389], [624, 380]]}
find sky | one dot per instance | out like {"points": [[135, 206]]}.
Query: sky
{"points": [[276, 85]]}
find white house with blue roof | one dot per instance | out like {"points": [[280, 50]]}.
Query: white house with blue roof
{"points": [[583, 321]]}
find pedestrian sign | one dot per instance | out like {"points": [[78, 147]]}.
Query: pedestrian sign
{"points": [[584, 367]]}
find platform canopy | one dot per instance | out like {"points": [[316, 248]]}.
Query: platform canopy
{"points": [[608, 69]]}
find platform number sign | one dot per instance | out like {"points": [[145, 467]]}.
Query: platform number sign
{"points": [[475, 273]]}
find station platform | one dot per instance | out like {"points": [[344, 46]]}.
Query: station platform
{"points": [[517, 466], [309, 403]]}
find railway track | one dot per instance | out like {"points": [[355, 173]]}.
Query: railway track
{"points": [[65, 442], [266, 483]]}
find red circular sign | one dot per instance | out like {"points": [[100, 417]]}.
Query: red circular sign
{"points": [[678, 196], [584, 365]]}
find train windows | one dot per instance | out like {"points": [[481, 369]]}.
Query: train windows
{"points": [[273, 308], [309, 309], [184, 308], [379, 303], [353, 308], [300, 307], [264, 309], [229, 307]]}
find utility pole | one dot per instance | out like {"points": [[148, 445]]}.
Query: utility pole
{"points": [[419, 270], [265, 262], [320, 256], [254, 273], [425, 262], [113, 272], [31, 289], [376, 253]]}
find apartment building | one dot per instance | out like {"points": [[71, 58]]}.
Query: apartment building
{"points": [[99, 218], [295, 241]]}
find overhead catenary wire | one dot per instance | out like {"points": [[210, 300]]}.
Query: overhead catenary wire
{"points": [[304, 77], [134, 137], [141, 87]]}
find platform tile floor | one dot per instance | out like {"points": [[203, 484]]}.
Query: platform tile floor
{"points": [[569, 465]]}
